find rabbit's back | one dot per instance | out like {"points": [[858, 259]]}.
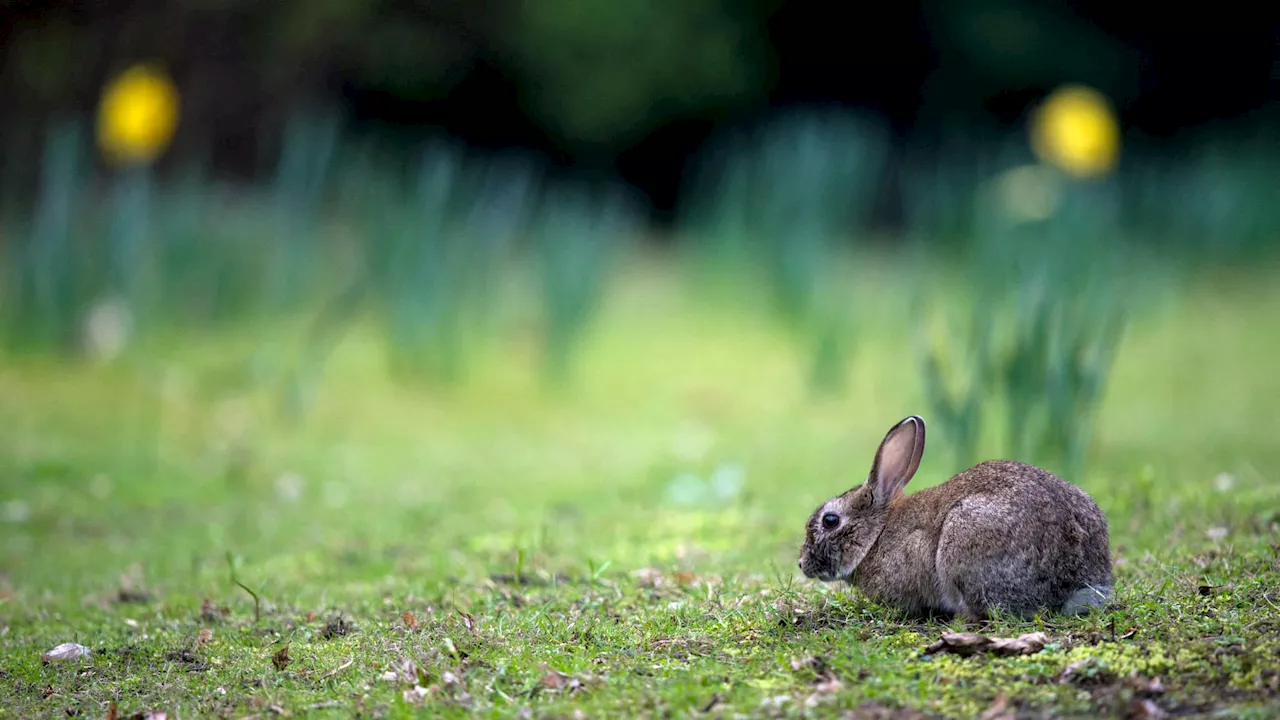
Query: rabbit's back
{"points": [[1017, 538]]}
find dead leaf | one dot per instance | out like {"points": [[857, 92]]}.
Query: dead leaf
{"points": [[66, 651], [557, 681], [1143, 709], [649, 578], [416, 695], [132, 588], [211, 613], [468, 621], [337, 627], [410, 620], [456, 688], [204, 638], [405, 671], [112, 710], [188, 658], [132, 595], [965, 644], [824, 680], [999, 710], [1145, 687], [552, 679], [281, 659]]}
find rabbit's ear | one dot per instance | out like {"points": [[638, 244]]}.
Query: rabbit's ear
{"points": [[897, 460]]}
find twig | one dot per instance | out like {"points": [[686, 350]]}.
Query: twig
{"points": [[257, 604], [350, 661]]}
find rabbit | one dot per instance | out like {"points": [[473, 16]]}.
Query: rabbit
{"points": [[1000, 536]]}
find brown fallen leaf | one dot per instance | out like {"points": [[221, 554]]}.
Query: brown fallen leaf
{"points": [[416, 694], [822, 672], [211, 613], [999, 710], [557, 681], [132, 596], [410, 620], [1143, 709], [455, 688], [112, 711], [204, 638], [337, 627], [281, 659], [1145, 687], [132, 588], [406, 671], [824, 680], [966, 644], [649, 578], [468, 621]]}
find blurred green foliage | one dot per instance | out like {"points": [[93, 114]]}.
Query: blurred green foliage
{"points": [[606, 72], [1049, 298], [793, 201], [430, 244]]}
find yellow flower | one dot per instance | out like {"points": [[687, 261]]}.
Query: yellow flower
{"points": [[1075, 129], [138, 115]]}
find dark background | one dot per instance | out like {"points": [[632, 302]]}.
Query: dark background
{"points": [[474, 69]]}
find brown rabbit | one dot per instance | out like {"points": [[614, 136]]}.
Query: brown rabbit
{"points": [[1001, 535]]}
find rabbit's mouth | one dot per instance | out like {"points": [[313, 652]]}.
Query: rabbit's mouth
{"points": [[824, 574]]}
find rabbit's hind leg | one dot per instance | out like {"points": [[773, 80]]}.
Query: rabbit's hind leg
{"points": [[982, 566]]}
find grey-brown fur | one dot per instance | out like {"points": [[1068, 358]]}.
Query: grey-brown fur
{"points": [[1001, 535]]}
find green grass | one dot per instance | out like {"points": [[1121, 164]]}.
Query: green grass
{"points": [[530, 535]]}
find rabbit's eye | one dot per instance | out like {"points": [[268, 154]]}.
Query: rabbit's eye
{"points": [[830, 520]]}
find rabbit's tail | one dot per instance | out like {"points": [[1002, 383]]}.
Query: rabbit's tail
{"points": [[1087, 598]]}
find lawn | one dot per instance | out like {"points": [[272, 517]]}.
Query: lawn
{"points": [[625, 549]]}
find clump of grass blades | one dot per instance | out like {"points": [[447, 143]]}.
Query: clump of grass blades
{"points": [[577, 238], [43, 296], [435, 256], [310, 143], [1220, 204], [791, 204], [1045, 317]]}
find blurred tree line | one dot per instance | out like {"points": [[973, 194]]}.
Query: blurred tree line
{"points": [[592, 79]]}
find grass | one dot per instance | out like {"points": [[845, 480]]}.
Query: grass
{"points": [[517, 554]]}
